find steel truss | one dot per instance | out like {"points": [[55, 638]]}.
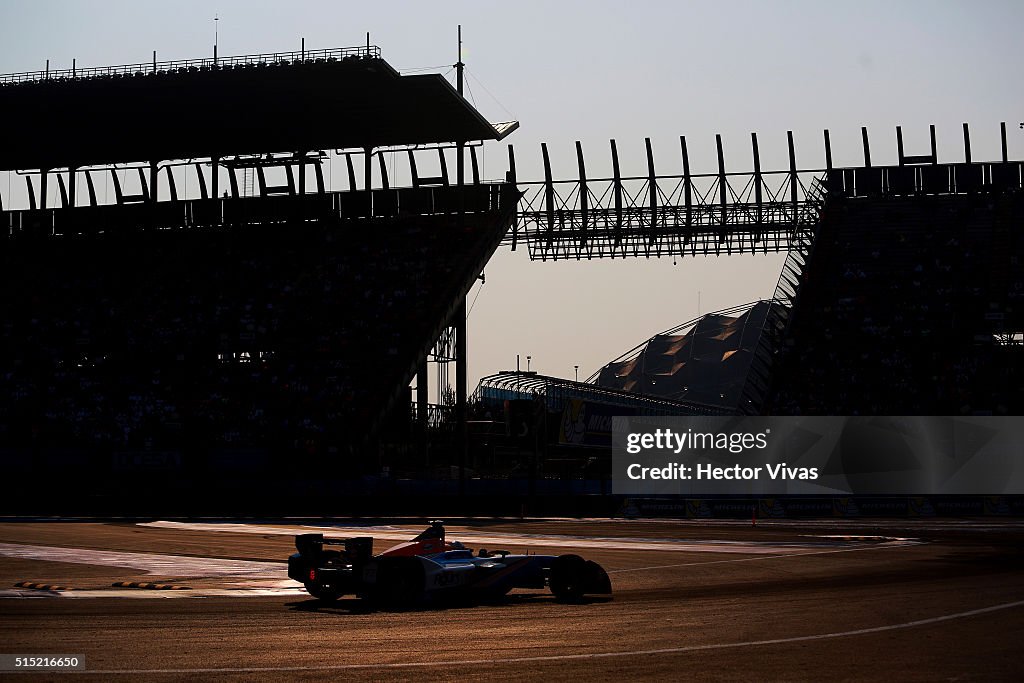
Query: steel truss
{"points": [[665, 215], [722, 213]]}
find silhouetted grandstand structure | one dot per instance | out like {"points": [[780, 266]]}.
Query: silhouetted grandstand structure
{"points": [[913, 305], [268, 334], [217, 340], [900, 293]]}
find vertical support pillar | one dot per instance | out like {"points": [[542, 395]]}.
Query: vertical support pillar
{"points": [[461, 374], [549, 189], [867, 147], [511, 178], [144, 184], [351, 173], [91, 188], [384, 182], [118, 194], [828, 152], [793, 180], [72, 185], [215, 177], [617, 188], [935, 151], [31, 193], [203, 192], [368, 179], [967, 144], [233, 180], [584, 196], [152, 182], [172, 189], [460, 160], [1002, 138], [412, 169], [43, 173], [902, 174], [461, 384], [460, 178], [302, 168], [290, 175], [652, 190], [318, 170], [722, 185], [687, 184], [444, 167], [460, 172], [757, 180], [475, 165]]}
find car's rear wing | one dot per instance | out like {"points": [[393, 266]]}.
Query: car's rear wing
{"points": [[358, 548]]}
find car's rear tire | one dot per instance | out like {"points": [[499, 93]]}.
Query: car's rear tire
{"points": [[322, 593]]}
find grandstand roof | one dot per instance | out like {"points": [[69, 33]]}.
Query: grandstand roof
{"points": [[704, 360], [340, 98]]}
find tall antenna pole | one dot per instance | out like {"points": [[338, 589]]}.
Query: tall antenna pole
{"points": [[461, 349], [216, 37], [459, 65]]}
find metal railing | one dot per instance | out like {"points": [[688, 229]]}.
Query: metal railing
{"points": [[671, 215], [207, 63], [212, 212]]}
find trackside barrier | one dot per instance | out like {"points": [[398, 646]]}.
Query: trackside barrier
{"points": [[849, 506]]}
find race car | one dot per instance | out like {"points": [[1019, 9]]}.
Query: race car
{"points": [[429, 568]]}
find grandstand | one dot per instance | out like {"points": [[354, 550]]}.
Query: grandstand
{"points": [[212, 343], [911, 307], [255, 337], [903, 297]]}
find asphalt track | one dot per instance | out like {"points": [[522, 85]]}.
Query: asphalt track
{"points": [[824, 600]]}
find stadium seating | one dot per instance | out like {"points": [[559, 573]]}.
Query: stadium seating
{"points": [[291, 337], [902, 310]]}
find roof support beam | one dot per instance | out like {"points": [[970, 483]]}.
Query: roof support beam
{"points": [[652, 190]]}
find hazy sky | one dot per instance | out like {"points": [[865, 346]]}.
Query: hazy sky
{"points": [[591, 71]]}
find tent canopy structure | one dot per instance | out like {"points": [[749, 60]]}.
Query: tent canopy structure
{"points": [[704, 360]]}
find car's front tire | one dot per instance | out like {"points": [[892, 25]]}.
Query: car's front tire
{"points": [[568, 578]]}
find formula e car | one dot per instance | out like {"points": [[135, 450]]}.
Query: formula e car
{"points": [[429, 568]]}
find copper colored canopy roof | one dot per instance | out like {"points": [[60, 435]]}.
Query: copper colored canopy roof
{"points": [[703, 361]]}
